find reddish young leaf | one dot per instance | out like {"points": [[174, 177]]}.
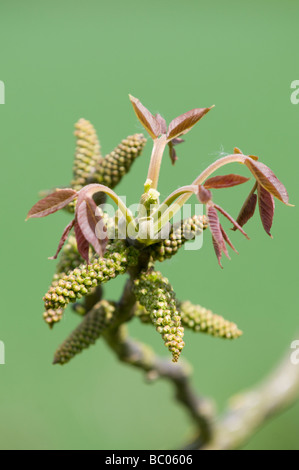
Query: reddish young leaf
{"points": [[162, 123], [182, 124], [82, 243], [231, 219], [247, 210], [52, 203], [225, 181], [227, 240], [217, 237], [266, 178], [87, 220], [172, 152], [149, 122], [267, 207], [65, 234], [218, 251]]}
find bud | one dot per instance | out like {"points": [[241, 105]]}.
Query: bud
{"points": [[156, 295], [86, 334]]}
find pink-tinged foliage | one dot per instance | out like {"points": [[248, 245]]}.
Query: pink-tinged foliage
{"points": [[149, 122], [87, 220], [82, 243], [266, 178], [162, 124], [266, 207], [231, 219], [63, 239], [224, 181], [247, 210], [227, 240], [172, 151], [217, 237], [218, 251], [52, 203], [183, 123]]}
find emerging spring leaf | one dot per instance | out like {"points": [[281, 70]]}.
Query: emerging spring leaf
{"points": [[266, 207], [52, 203], [247, 210], [64, 237], [87, 217], [231, 219], [266, 178], [268, 186], [82, 243], [162, 124], [224, 181], [219, 236], [149, 122], [85, 221], [183, 123], [172, 152]]}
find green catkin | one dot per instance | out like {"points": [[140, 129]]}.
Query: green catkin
{"points": [[86, 334], [110, 169], [156, 295], [198, 319], [79, 282], [87, 153], [180, 233]]}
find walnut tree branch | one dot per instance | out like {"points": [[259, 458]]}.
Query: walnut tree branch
{"points": [[249, 410], [141, 356]]}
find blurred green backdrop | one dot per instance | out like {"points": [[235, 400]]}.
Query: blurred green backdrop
{"points": [[69, 59]]}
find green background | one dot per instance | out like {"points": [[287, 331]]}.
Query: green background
{"points": [[64, 60]]}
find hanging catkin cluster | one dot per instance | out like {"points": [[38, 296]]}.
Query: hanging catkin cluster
{"points": [[110, 169], [86, 334], [198, 319], [79, 282], [156, 295], [180, 233], [149, 295]]}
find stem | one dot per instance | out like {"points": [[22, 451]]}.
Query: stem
{"points": [[142, 357], [122, 207], [190, 189], [156, 159], [174, 208], [251, 409]]}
